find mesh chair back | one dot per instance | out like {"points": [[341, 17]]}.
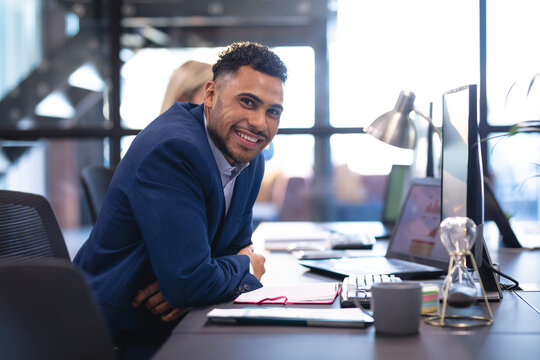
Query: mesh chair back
{"points": [[47, 312], [95, 181], [28, 227]]}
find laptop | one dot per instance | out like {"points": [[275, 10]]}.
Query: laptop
{"points": [[414, 251]]}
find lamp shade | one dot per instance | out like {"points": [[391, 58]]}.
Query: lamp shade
{"points": [[396, 127]]}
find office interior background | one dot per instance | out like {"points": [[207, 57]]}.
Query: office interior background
{"points": [[79, 79]]}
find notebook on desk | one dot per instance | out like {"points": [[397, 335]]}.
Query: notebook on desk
{"points": [[414, 251]]}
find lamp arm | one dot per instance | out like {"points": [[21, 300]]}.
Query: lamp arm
{"points": [[430, 122]]}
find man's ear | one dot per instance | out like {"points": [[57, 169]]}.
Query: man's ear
{"points": [[209, 94]]}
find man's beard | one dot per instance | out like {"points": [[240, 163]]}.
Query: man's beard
{"points": [[241, 158]]}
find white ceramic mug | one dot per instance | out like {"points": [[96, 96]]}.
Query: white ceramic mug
{"points": [[396, 307]]}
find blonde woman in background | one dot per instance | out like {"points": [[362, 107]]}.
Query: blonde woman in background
{"points": [[187, 84]]}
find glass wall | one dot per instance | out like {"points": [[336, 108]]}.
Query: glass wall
{"points": [[54, 86], [379, 48], [516, 173], [383, 47], [59, 102], [55, 67], [513, 61], [513, 93], [52, 168], [20, 23], [146, 72], [145, 75]]}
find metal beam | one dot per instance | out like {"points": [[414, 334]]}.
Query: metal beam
{"points": [[237, 8], [81, 133]]}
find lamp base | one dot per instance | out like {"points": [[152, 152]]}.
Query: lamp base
{"points": [[458, 321]]}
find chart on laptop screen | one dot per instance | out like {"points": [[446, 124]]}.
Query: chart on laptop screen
{"points": [[420, 224]]}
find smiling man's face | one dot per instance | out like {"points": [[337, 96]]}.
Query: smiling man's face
{"points": [[242, 112]]}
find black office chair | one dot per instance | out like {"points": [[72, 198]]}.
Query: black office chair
{"points": [[95, 181], [47, 312], [28, 227]]}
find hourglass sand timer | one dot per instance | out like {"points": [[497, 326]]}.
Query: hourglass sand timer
{"points": [[459, 291]]}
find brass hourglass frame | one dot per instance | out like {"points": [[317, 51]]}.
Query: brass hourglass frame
{"points": [[461, 321]]}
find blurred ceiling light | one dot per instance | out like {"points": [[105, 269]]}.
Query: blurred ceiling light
{"points": [[135, 41], [87, 77], [156, 36], [55, 105], [71, 24], [126, 54], [25, 123]]}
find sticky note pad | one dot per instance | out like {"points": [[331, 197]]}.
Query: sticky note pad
{"points": [[430, 298]]}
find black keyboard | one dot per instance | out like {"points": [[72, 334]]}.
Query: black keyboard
{"points": [[356, 289]]}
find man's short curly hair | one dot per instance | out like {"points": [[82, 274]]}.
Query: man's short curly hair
{"points": [[252, 54]]}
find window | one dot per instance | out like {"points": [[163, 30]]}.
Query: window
{"points": [[513, 61], [375, 50], [20, 23], [383, 47]]}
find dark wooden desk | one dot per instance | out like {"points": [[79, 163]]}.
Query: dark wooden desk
{"points": [[515, 333]]}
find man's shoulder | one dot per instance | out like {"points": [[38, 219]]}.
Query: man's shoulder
{"points": [[177, 130], [179, 121], [192, 109], [184, 115]]}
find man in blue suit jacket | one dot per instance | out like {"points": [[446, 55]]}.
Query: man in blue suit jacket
{"points": [[175, 229]]}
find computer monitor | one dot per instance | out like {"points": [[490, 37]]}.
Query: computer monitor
{"points": [[462, 176]]}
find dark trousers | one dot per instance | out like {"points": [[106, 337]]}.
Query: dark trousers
{"points": [[142, 342]]}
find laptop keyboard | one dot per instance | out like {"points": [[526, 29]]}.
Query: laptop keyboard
{"points": [[356, 289]]}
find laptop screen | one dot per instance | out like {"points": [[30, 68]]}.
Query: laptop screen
{"points": [[416, 234]]}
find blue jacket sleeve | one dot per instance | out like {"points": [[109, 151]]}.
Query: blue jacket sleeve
{"points": [[170, 198]]}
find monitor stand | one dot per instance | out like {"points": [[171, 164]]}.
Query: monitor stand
{"points": [[489, 278]]}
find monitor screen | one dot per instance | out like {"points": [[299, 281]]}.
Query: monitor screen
{"points": [[462, 193], [462, 176]]}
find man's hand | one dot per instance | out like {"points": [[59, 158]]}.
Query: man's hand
{"points": [[152, 298], [257, 261]]}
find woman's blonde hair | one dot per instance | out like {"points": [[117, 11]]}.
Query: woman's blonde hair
{"points": [[185, 82]]}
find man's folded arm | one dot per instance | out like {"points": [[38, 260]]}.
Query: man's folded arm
{"points": [[172, 217]]}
